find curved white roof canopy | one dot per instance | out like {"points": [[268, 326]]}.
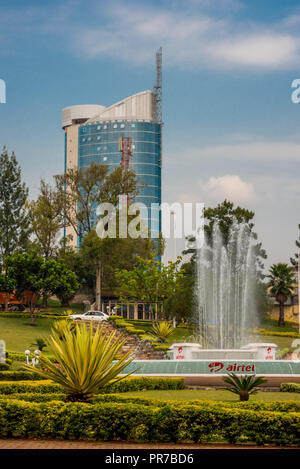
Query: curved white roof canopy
{"points": [[136, 107]]}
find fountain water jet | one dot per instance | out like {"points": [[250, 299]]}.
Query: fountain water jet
{"points": [[226, 278]]}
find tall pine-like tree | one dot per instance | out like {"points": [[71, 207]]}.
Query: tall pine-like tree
{"points": [[14, 221], [295, 260]]}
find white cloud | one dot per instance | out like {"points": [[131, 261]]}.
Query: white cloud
{"points": [[230, 187], [194, 34], [189, 38], [267, 50], [256, 151]]}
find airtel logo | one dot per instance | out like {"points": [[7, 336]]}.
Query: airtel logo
{"points": [[179, 349], [215, 366]]}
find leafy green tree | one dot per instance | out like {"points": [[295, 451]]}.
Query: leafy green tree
{"points": [[182, 303], [67, 286], [150, 281], [281, 283], [14, 222], [226, 214], [42, 277], [7, 285], [46, 218], [87, 361], [294, 260], [108, 254], [83, 190]]}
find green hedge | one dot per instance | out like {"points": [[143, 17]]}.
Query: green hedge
{"points": [[4, 367], [290, 387], [20, 356], [22, 314], [278, 333], [140, 383], [258, 406], [19, 375], [127, 384], [125, 421]]}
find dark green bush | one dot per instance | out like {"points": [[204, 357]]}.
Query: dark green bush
{"points": [[127, 421], [290, 387], [4, 366], [127, 384], [19, 376]]}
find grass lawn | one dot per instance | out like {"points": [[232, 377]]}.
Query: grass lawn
{"points": [[213, 395], [19, 335]]}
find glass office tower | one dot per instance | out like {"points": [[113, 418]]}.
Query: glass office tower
{"points": [[93, 135]]}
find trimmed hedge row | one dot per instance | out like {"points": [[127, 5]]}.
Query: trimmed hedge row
{"points": [[132, 328], [290, 387], [278, 333], [20, 356], [19, 375], [258, 406], [109, 421], [22, 314], [275, 406], [127, 384], [4, 367]]}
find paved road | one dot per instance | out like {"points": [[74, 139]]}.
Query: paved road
{"points": [[65, 444]]}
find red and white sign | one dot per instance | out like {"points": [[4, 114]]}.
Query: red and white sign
{"points": [[269, 355], [215, 367], [180, 355]]}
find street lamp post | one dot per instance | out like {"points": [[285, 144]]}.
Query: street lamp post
{"points": [[34, 360]]}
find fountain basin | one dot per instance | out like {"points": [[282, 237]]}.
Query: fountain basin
{"points": [[209, 368], [193, 351]]}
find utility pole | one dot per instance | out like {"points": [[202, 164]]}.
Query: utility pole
{"points": [[299, 290], [98, 288]]}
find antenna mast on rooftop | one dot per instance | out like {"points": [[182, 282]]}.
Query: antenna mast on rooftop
{"points": [[157, 89]]}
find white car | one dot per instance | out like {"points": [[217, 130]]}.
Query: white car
{"points": [[90, 316]]}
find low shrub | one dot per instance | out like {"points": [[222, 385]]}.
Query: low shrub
{"points": [[19, 375], [140, 383], [127, 421], [4, 366], [35, 396], [134, 330], [258, 406], [290, 387], [127, 384], [278, 333], [162, 347], [20, 356], [42, 386], [24, 314]]}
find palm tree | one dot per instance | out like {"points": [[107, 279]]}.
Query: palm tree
{"points": [[282, 280], [85, 361], [243, 385]]}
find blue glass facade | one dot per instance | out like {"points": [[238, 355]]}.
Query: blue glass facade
{"points": [[99, 142]]}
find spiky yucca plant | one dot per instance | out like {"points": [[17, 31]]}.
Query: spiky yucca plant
{"points": [[162, 330], [60, 326], [243, 385], [85, 361]]}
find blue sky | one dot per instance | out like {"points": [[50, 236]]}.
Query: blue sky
{"points": [[230, 127]]}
